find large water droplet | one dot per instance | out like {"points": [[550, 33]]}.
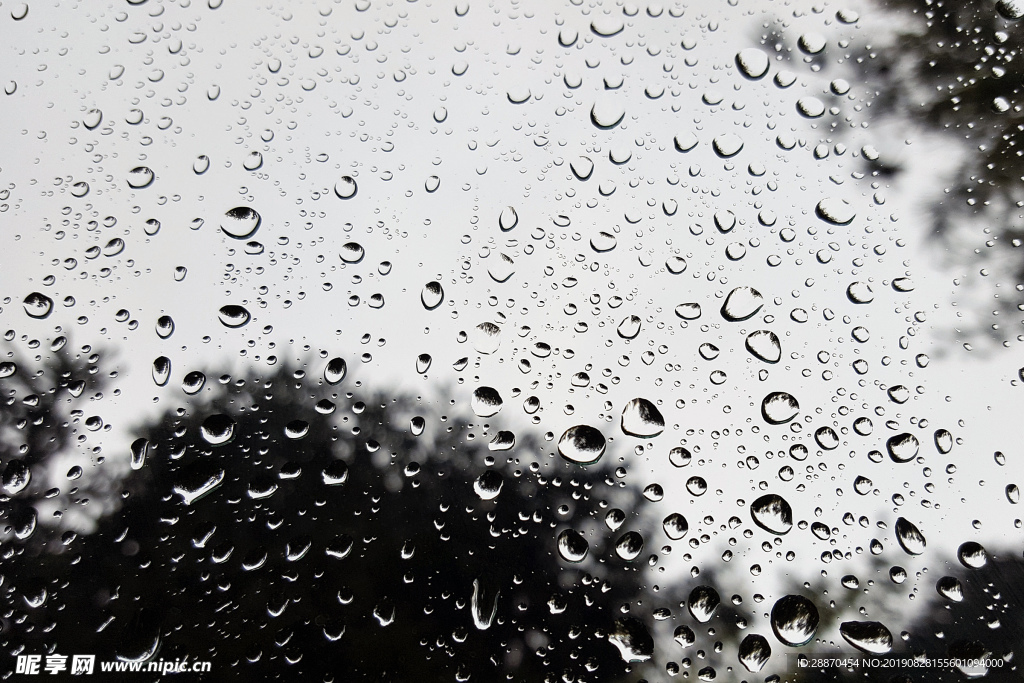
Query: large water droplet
{"points": [[485, 402], [140, 177], [727, 145], [335, 474], [486, 338], [835, 211], [582, 445], [702, 603], [642, 418], [684, 142], [335, 370], [753, 63], [943, 441], [764, 345], [345, 188], [679, 457], [741, 304], [607, 25], [502, 268], [198, 481], [218, 429], [1011, 10], [675, 264], [139, 450], [17, 476], [602, 242], [351, 252], [164, 326], [572, 547], [488, 485], [688, 311], [972, 554], [240, 222], [684, 636], [629, 546], [860, 293], [910, 537], [233, 316], [508, 219], [629, 328], [903, 447], [37, 305], [193, 382], [582, 167], [632, 639], [161, 370], [432, 295], [779, 407], [871, 637], [772, 513], [483, 605], [675, 526], [794, 620], [607, 113], [950, 588], [754, 652]]}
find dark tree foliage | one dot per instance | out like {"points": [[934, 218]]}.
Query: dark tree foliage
{"points": [[326, 540]]}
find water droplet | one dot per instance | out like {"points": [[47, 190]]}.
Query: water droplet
{"points": [[335, 370], [432, 295], [810, 107], [772, 513], [607, 113], [602, 242], [702, 603], [423, 363], [92, 119], [950, 588], [296, 429], [860, 293], [675, 526], [632, 639], [582, 167], [161, 370], [140, 177], [607, 25], [1011, 10], [871, 637], [488, 485], [688, 311], [252, 161], [37, 305], [779, 407], [483, 605], [335, 474], [384, 612], [675, 264], [727, 145], [835, 211], [351, 252], [629, 328], [582, 445], [486, 338], [754, 652], [139, 450], [508, 219], [943, 441], [240, 222], [233, 316], [572, 547], [345, 188], [629, 546], [503, 441], [1012, 494], [17, 476], [198, 482], [753, 64], [742, 304], [164, 326], [684, 142], [902, 447], [910, 537], [679, 457], [764, 345], [696, 486], [642, 418], [794, 620], [486, 401], [193, 382], [218, 429], [903, 284], [501, 269], [684, 636], [201, 165], [7, 368], [972, 554]]}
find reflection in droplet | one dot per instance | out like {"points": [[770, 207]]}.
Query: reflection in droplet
{"points": [[632, 639], [432, 295], [779, 407], [345, 188], [193, 382], [37, 305], [629, 546], [772, 513], [572, 547], [754, 652], [972, 554], [675, 526], [582, 445], [335, 370], [794, 620], [871, 637], [902, 447], [910, 537], [697, 486], [218, 429], [950, 588], [233, 316], [486, 401], [764, 345], [702, 603], [642, 418], [742, 304], [240, 222]]}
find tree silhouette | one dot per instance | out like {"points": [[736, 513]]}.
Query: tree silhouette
{"points": [[282, 528]]}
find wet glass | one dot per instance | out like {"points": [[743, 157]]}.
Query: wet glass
{"points": [[548, 341]]}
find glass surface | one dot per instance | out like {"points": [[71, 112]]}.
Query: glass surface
{"points": [[529, 341]]}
